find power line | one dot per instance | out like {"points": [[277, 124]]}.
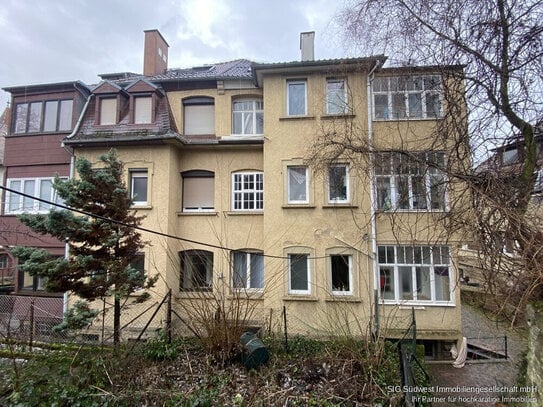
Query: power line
{"points": [[141, 228]]}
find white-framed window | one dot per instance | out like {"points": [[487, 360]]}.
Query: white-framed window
{"points": [[108, 111], [410, 181], [297, 184], [199, 116], [143, 109], [415, 274], [198, 191], [296, 97], [341, 274], [338, 183], [336, 96], [299, 274], [36, 187], [247, 117], [138, 186], [248, 270], [46, 116], [196, 270], [407, 97], [247, 191]]}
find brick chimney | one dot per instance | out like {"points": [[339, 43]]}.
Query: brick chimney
{"points": [[155, 54], [307, 45]]}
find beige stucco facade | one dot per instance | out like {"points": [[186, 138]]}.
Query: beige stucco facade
{"points": [[316, 228]]}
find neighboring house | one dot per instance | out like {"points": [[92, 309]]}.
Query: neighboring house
{"points": [[215, 158], [40, 118], [499, 170], [6, 274]]}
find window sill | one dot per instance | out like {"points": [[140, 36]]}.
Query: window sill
{"points": [[300, 297], [248, 294], [145, 207], [416, 305], [242, 213], [407, 119], [394, 211], [298, 206], [38, 293], [196, 213], [342, 298], [194, 295], [243, 137], [300, 117], [331, 116], [340, 205]]}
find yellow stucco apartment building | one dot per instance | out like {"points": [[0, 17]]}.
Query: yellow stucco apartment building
{"points": [[262, 212]]}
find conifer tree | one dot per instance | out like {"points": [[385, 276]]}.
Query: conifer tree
{"points": [[102, 244]]}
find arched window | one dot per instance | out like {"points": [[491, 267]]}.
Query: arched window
{"points": [[199, 116], [247, 116], [196, 270], [247, 269]]}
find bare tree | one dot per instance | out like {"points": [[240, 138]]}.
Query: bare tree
{"points": [[495, 49]]}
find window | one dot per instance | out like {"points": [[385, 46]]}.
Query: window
{"points": [[36, 187], [341, 274], [247, 117], [4, 261], [299, 273], [510, 156], [143, 110], [248, 191], [410, 181], [297, 185], [403, 97], [338, 183], [248, 270], [199, 116], [336, 96], [108, 111], [48, 116], [296, 98], [415, 273], [198, 191], [138, 187], [32, 283], [196, 270], [138, 265]]}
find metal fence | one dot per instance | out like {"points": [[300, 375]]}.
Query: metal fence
{"points": [[30, 319], [410, 367]]}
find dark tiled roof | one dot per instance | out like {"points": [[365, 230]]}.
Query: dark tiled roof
{"points": [[238, 69]]}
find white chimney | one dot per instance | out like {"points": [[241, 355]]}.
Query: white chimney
{"points": [[307, 45]]}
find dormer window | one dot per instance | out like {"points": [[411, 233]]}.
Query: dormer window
{"points": [[143, 109], [108, 111]]}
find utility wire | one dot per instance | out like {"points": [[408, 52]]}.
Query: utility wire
{"points": [[140, 228]]}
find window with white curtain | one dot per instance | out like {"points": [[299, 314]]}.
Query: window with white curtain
{"points": [[247, 116], [415, 273]]}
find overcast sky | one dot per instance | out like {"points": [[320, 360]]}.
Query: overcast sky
{"points": [[46, 41]]}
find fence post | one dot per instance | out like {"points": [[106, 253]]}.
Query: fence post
{"points": [[169, 317], [31, 328], [285, 323]]}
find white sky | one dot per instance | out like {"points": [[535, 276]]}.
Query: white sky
{"points": [[46, 41]]}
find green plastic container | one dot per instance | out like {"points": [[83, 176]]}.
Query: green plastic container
{"points": [[256, 353]]}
